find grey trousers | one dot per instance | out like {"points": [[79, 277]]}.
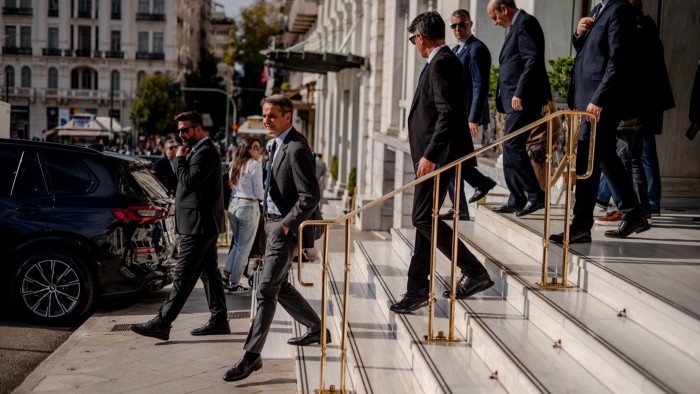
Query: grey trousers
{"points": [[274, 287]]}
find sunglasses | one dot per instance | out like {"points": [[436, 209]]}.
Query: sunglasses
{"points": [[172, 147], [458, 24], [184, 130], [256, 147], [412, 39]]}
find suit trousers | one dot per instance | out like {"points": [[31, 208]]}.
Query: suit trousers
{"points": [[518, 172], [198, 258], [419, 268], [274, 287], [474, 178], [607, 161]]}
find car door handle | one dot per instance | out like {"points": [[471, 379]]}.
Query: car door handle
{"points": [[29, 208]]}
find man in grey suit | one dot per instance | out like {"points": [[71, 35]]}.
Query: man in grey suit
{"points": [[292, 195], [523, 89], [199, 218]]}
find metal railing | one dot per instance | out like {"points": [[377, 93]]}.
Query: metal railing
{"points": [[565, 165]]}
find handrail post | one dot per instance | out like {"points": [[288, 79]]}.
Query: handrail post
{"points": [[346, 296], [455, 240], [324, 304], [567, 202], [547, 202], [433, 247]]}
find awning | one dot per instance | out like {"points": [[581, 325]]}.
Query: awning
{"points": [[83, 133], [313, 62], [253, 125]]}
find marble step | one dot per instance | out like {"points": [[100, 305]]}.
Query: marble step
{"points": [[653, 277], [620, 352]]}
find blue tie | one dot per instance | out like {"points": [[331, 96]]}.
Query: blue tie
{"points": [[456, 49], [269, 174]]}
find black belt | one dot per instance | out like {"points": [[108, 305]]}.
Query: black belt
{"points": [[272, 216]]}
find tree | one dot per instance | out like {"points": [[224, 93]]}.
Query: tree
{"points": [[154, 108], [206, 76], [560, 76], [251, 34]]}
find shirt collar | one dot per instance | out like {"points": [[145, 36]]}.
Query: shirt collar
{"points": [[515, 17], [464, 42], [280, 139], [199, 143], [434, 52]]}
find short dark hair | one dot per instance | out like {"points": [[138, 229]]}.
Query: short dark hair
{"points": [[507, 3], [193, 117], [429, 24], [284, 102], [463, 13]]}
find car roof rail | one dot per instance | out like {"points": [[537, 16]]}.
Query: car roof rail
{"points": [[97, 147]]}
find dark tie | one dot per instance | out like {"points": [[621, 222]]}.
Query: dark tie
{"points": [[269, 174], [456, 49], [596, 10], [425, 67]]}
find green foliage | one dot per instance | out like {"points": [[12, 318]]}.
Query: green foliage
{"points": [[560, 76], [352, 180], [206, 76], [334, 168], [154, 109], [493, 85]]}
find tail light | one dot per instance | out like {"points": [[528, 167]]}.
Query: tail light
{"points": [[140, 214]]}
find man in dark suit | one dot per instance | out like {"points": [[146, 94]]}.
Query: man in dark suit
{"points": [[199, 219], [476, 58], [292, 195], [165, 167], [601, 44], [436, 124], [523, 89]]}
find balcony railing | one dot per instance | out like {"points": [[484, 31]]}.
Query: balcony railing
{"points": [[146, 16], [17, 50], [114, 54], [150, 56], [53, 12], [116, 15], [51, 52], [82, 52], [84, 14], [68, 52], [17, 10]]}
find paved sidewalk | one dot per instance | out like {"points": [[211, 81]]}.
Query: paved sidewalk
{"points": [[98, 359]]}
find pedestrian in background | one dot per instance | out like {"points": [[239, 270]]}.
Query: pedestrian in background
{"points": [[165, 167]]}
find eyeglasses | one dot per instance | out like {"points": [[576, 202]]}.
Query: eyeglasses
{"points": [[184, 130], [172, 147], [256, 147], [458, 24], [412, 39]]}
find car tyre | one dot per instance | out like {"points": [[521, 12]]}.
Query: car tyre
{"points": [[53, 288]]}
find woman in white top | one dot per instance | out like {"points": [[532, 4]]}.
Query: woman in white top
{"points": [[246, 181]]}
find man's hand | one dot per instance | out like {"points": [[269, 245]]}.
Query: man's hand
{"points": [[182, 151], [517, 103], [595, 110], [473, 129], [584, 25], [425, 166]]}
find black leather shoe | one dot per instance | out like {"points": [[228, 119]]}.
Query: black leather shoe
{"points": [[242, 369], [449, 215], [411, 301], [575, 237], [212, 328], [469, 286], [529, 208], [626, 228], [506, 208], [153, 329], [481, 191], [309, 338]]}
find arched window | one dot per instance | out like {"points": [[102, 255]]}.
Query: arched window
{"points": [[10, 76], [26, 77], [139, 77], [115, 80], [53, 78], [83, 78]]}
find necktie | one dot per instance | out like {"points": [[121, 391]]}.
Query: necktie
{"points": [[596, 10], [425, 67], [269, 174], [457, 49]]}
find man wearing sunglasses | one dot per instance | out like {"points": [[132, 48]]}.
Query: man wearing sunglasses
{"points": [[199, 219], [165, 167], [476, 59]]}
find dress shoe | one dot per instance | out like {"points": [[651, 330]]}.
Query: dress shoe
{"points": [[610, 219], [467, 286], [242, 369], [530, 207], [411, 301], [575, 237], [506, 208], [481, 191], [626, 228], [449, 215], [153, 329], [212, 328], [309, 338]]}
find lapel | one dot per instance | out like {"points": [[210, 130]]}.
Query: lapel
{"points": [[281, 153], [512, 32], [420, 85]]}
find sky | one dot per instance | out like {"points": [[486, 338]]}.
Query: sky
{"points": [[233, 7]]}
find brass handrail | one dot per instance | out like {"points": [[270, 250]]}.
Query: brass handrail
{"points": [[574, 120]]}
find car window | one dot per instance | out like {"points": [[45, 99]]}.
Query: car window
{"points": [[28, 179], [140, 180], [9, 163], [68, 174]]}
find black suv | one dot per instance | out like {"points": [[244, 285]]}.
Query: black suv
{"points": [[77, 223]]}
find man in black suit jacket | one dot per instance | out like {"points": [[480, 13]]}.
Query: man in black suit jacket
{"points": [[523, 89], [476, 58], [165, 167], [601, 42], [292, 195], [436, 124], [199, 219]]}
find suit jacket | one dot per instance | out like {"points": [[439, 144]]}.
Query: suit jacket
{"points": [[522, 68], [199, 202], [294, 188], [165, 174], [476, 59], [601, 59], [437, 121]]}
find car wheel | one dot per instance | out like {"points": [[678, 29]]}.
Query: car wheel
{"points": [[53, 287]]}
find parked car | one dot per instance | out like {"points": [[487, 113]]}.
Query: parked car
{"points": [[78, 224]]}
